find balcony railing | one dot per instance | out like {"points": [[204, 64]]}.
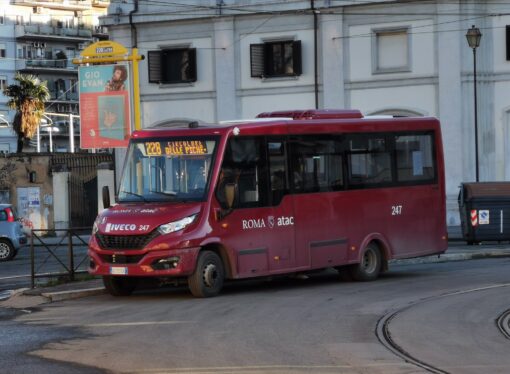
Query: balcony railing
{"points": [[57, 4], [46, 30], [42, 64]]}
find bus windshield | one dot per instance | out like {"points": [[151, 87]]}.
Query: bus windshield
{"points": [[175, 169]]}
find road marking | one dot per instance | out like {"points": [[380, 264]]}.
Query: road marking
{"points": [[130, 324], [15, 277], [265, 368]]}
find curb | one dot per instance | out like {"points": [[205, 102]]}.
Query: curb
{"points": [[452, 257], [73, 294]]}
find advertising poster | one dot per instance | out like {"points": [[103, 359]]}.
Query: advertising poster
{"points": [[29, 207], [104, 106]]}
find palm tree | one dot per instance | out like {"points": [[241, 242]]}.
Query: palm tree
{"points": [[27, 98]]}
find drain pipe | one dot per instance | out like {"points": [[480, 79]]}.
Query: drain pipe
{"points": [[315, 53], [134, 37]]}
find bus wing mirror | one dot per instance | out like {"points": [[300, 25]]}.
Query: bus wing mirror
{"points": [[230, 194], [106, 197]]}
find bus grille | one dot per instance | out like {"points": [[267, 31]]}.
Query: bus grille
{"points": [[125, 242]]}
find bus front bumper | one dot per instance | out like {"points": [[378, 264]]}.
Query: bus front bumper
{"points": [[162, 263]]}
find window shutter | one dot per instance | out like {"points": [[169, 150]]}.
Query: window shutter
{"points": [[296, 57], [508, 43], [257, 60], [155, 74], [192, 72]]}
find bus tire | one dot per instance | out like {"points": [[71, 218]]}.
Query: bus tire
{"points": [[7, 251], [207, 279], [369, 267], [120, 286]]}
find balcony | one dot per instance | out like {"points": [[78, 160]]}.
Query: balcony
{"points": [[57, 4], [35, 32], [101, 3], [41, 66], [63, 96], [100, 32]]}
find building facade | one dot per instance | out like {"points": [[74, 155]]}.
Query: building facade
{"points": [[41, 38], [225, 59]]}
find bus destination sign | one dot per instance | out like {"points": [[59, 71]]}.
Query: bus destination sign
{"points": [[176, 148]]}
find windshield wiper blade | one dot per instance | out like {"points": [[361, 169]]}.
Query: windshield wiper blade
{"points": [[164, 193], [135, 194]]}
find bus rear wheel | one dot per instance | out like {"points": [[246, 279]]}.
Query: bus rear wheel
{"points": [[207, 279], [120, 286], [369, 267]]}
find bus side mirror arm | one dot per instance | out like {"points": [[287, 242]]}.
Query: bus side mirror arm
{"points": [[106, 197]]}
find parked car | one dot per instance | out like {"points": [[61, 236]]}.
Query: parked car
{"points": [[12, 237]]}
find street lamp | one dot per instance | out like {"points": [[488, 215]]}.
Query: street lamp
{"points": [[473, 37]]}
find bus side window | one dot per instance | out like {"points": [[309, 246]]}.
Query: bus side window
{"points": [[277, 171], [316, 164]]}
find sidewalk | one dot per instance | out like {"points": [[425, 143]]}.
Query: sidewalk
{"points": [[26, 298]]}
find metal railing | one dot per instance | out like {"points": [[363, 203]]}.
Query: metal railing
{"points": [[57, 257]]}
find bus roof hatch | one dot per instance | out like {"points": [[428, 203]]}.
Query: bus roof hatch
{"points": [[314, 114]]}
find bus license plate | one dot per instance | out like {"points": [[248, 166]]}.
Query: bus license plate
{"points": [[116, 270]]}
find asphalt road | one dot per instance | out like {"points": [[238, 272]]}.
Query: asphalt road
{"points": [[442, 315]]}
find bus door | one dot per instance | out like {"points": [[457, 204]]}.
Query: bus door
{"points": [[259, 230], [322, 220]]}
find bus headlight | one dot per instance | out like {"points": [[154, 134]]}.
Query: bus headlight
{"points": [[176, 225], [95, 228]]}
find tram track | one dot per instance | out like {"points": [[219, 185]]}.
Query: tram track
{"points": [[503, 323], [383, 333]]}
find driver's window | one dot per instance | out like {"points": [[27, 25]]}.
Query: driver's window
{"points": [[244, 166]]}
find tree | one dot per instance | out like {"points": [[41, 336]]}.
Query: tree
{"points": [[27, 98]]}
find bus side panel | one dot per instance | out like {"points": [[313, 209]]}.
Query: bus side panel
{"points": [[408, 218], [322, 230]]}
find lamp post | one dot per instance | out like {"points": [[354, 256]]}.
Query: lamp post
{"points": [[473, 37]]}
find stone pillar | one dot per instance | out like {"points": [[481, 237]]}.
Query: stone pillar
{"points": [[450, 108], [61, 197], [105, 177], [225, 69], [332, 61]]}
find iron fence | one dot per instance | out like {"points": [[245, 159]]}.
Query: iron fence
{"points": [[60, 256]]}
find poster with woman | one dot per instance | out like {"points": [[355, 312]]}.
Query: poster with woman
{"points": [[104, 106]]}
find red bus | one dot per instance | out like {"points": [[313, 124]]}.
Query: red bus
{"points": [[288, 193]]}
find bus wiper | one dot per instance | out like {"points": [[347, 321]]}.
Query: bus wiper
{"points": [[134, 194], [164, 193]]}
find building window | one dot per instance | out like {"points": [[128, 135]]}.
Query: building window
{"points": [[276, 59], [391, 51], [508, 43], [3, 82], [173, 65], [2, 50]]}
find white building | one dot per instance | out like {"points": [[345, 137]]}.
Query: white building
{"points": [[224, 59], [41, 37]]}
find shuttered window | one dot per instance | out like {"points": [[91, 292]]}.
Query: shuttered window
{"points": [[276, 59], [172, 65]]}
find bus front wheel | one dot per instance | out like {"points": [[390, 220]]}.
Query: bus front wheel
{"points": [[119, 286], [207, 279], [370, 266]]}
